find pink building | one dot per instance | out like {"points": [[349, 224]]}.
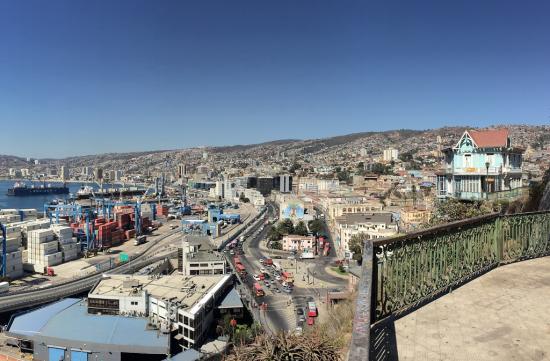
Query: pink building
{"points": [[298, 243]]}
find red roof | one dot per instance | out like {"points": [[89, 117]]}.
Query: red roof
{"points": [[490, 138]]}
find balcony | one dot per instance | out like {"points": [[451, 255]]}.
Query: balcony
{"points": [[482, 170], [404, 274], [492, 196]]}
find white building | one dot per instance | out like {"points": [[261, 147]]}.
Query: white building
{"points": [[390, 154], [118, 175], [87, 171], [372, 225], [64, 173], [299, 243], [174, 303], [285, 183], [199, 258]]}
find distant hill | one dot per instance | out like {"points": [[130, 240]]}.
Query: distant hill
{"points": [[406, 140]]}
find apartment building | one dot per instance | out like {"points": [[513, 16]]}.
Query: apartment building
{"points": [[372, 225]]}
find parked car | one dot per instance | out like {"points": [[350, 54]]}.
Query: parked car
{"points": [[256, 277]]}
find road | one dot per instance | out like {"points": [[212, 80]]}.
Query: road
{"points": [[276, 315], [281, 315]]}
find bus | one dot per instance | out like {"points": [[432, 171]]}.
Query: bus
{"points": [[240, 268], [258, 290], [287, 277], [311, 309]]}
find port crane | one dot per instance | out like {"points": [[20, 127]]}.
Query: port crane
{"points": [[77, 213]]}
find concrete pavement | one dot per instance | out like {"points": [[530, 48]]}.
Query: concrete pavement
{"points": [[502, 315]]}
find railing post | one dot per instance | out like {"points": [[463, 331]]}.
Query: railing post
{"points": [[498, 239], [360, 341]]}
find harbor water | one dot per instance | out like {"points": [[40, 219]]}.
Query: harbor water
{"points": [[36, 201]]}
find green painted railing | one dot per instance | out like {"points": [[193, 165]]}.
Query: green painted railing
{"points": [[410, 270], [413, 268]]}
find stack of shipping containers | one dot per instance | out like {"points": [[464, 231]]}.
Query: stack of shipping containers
{"points": [[42, 250], [14, 251]]}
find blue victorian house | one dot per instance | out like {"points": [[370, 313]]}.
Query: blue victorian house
{"points": [[482, 165]]}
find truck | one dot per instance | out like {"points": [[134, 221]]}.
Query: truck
{"points": [[4, 287], [307, 255], [140, 240]]}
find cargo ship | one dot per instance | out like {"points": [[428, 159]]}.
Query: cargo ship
{"points": [[21, 189], [86, 192]]}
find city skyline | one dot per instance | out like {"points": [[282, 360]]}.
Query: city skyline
{"points": [[135, 76]]}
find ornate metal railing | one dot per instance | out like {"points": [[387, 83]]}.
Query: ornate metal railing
{"points": [[408, 271]]}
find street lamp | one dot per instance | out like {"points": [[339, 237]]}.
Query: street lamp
{"points": [[487, 180]]}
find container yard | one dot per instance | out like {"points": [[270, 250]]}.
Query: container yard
{"points": [[70, 231]]}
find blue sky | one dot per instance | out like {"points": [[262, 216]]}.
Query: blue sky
{"points": [[84, 77]]}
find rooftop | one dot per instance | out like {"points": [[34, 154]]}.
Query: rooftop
{"points": [[355, 218], [188, 290], [64, 320], [205, 256], [490, 138]]}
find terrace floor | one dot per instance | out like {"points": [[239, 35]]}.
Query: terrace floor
{"points": [[502, 315]]}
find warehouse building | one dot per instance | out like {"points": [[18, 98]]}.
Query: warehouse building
{"points": [[65, 330]]}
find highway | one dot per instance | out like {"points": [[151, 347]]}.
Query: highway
{"points": [[154, 252]]}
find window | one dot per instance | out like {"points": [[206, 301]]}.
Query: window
{"points": [[467, 160], [134, 303], [491, 159]]}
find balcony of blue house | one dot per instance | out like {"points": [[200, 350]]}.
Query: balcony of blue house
{"points": [[511, 194]]}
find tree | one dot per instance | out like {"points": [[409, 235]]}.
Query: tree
{"points": [[301, 229], [274, 235], [406, 156], [379, 168], [295, 167], [451, 210], [316, 226], [314, 345], [286, 227], [276, 245], [356, 245]]}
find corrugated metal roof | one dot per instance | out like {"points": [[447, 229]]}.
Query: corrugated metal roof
{"points": [[31, 323], [69, 320], [188, 355], [232, 300]]}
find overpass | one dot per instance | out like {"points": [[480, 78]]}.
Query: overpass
{"points": [[402, 274]]}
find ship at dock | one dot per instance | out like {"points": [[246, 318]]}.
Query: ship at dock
{"points": [[21, 189], [87, 192]]}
